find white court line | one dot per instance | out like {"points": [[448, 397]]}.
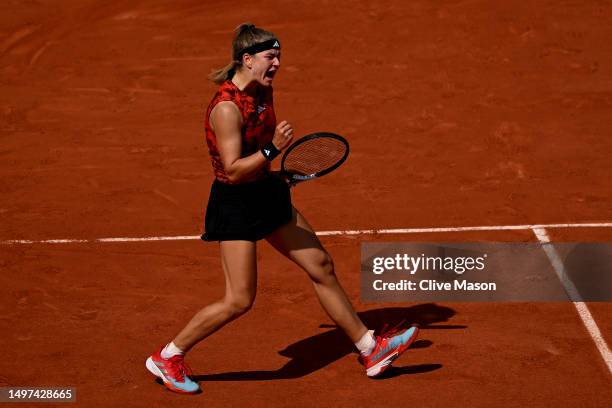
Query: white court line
{"points": [[463, 229], [325, 233], [574, 295]]}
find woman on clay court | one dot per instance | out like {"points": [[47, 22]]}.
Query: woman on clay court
{"points": [[248, 203]]}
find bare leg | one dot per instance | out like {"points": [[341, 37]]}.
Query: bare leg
{"points": [[298, 242], [239, 262]]}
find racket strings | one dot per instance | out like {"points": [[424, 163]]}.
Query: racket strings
{"points": [[314, 156]]}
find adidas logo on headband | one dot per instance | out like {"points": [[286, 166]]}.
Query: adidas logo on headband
{"points": [[262, 46]]}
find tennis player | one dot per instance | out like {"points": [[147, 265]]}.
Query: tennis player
{"points": [[248, 203]]}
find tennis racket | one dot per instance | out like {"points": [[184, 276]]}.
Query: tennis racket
{"points": [[313, 156]]}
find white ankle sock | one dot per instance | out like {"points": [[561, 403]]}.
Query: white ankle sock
{"points": [[366, 343], [171, 350]]}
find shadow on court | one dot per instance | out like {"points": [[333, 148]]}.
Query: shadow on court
{"points": [[315, 352]]}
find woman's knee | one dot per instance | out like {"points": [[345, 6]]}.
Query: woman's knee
{"points": [[239, 304], [321, 268]]}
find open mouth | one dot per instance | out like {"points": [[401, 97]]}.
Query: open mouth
{"points": [[270, 74]]}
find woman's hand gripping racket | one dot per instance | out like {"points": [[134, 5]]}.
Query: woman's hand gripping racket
{"points": [[313, 156]]}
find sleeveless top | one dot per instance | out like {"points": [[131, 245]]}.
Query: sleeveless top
{"points": [[258, 124]]}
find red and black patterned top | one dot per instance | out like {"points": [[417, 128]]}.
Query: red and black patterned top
{"points": [[258, 124]]}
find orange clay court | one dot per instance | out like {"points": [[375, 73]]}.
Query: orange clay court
{"points": [[459, 114]]}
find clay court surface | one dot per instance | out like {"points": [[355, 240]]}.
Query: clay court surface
{"points": [[459, 113]]}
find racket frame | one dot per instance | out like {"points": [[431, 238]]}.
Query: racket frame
{"points": [[294, 178]]}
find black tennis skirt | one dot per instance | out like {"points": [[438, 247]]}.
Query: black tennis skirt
{"points": [[247, 211]]}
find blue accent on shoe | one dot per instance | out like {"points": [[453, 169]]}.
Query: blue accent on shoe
{"points": [[187, 385], [399, 340], [404, 337]]}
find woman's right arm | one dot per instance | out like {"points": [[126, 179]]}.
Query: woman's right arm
{"points": [[226, 122]]}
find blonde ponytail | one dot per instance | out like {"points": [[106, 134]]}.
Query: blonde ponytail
{"points": [[221, 75]]}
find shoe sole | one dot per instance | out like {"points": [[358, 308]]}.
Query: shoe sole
{"points": [[157, 373], [378, 368]]}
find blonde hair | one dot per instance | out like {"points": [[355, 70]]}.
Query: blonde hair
{"points": [[246, 36]]}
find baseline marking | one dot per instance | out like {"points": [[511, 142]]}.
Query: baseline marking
{"points": [[574, 295], [324, 233]]}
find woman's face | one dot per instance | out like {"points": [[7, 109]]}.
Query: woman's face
{"points": [[264, 66]]}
